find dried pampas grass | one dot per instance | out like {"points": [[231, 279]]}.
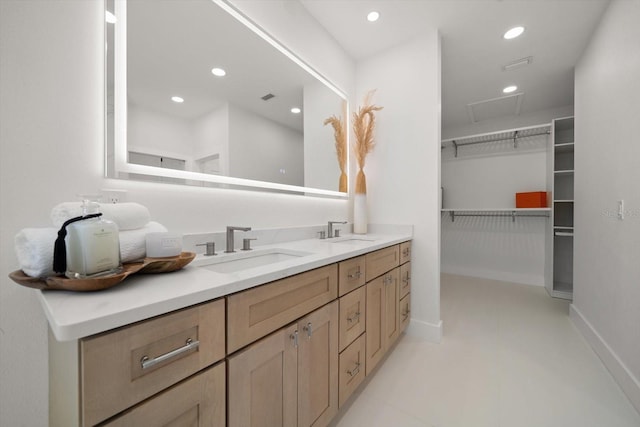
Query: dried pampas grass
{"points": [[340, 135], [364, 122]]}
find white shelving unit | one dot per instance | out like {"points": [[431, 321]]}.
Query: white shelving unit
{"points": [[559, 248]]}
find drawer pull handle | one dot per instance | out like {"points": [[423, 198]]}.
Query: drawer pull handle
{"points": [[189, 345], [355, 275], [356, 369], [354, 318], [406, 279], [308, 330], [388, 280], [294, 338], [406, 252], [405, 315]]}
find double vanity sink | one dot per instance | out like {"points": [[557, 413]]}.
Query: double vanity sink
{"points": [[72, 316]]}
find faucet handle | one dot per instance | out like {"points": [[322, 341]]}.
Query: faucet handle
{"points": [[211, 248], [323, 234], [246, 243]]}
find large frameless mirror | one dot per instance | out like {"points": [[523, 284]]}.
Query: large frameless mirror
{"points": [[197, 94]]}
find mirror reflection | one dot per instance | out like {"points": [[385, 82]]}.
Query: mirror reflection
{"points": [[207, 95]]}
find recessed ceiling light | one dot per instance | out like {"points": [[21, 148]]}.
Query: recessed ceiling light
{"points": [[296, 110], [373, 16], [513, 33], [510, 89], [177, 99], [218, 72], [110, 17]]}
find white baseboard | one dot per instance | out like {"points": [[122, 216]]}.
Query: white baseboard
{"points": [[627, 381], [424, 330], [503, 276]]}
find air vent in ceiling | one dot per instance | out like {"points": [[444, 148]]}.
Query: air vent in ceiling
{"points": [[523, 62], [495, 107], [268, 97]]}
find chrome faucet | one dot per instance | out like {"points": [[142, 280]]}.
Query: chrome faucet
{"points": [[330, 227], [230, 230]]}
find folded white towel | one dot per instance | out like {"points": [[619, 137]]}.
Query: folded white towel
{"points": [[34, 247], [133, 243], [128, 216]]}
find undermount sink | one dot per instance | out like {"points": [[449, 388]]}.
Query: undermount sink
{"points": [[354, 239], [232, 263]]}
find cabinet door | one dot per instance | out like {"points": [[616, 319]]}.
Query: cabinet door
{"points": [[196, 402], [352, 316], [381, 261], [392, 307], [123, 367], [318, 367], [350, 274], [262, 390], [405, 279], [254, 313], [352, 368], [375, 322], [405, 252], [405, 312]]}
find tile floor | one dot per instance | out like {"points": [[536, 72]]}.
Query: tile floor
{"points": [[510, 357]]}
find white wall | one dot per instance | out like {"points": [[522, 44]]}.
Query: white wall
{"points": [[212, 137], [403, 172], [263, 149], [51, 141], [607, 250], [159, 134]]}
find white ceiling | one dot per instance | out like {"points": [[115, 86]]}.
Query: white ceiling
{"points": [[473, 50]]}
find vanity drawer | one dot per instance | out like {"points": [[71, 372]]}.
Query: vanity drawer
{"points": [[381, 261], [405, 252], [352, 316], [351, 274], [126, 366], [405, 279], [352, 369], [405, 312], [198, 401], [254, 313]]}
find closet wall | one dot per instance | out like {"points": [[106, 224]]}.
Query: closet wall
{"points": [[486, 176]]}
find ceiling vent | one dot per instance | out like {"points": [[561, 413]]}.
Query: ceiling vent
{"points": [[268, 97], [523, 62], [495, 107]]}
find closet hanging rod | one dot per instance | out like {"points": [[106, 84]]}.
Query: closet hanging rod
{"points": [[512, 215], [458, 143]]}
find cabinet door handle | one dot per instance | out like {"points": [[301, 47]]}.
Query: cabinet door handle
{"points": [[189, 345], [406, 252], [405, 315], [294, 338], [355, 275], [308, 330], [353, 318], [356, 369], [388, 280], [406, 279]]}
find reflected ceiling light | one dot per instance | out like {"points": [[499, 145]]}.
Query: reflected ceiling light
{"points": [[513, 33], [296, 110], [218, 72], [373, 16], [510, 89], [110, 17], [177, 99]]}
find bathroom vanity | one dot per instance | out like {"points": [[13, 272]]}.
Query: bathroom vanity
{"points": [[283, 343]]}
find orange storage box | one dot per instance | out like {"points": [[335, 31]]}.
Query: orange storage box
{"points": [[535, 199]]}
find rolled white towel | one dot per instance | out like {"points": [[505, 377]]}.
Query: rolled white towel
{"points": [[133, 243], [34, 247], [128, 216]]}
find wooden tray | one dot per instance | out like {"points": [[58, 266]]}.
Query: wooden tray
{"points": [[148, 265]]}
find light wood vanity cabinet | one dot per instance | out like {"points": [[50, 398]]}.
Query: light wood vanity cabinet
{"points": [[289, 378], [296, 350], [98, 377]]}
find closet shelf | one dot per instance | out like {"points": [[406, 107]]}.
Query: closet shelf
{"points": [[513, 135], [500, 212]]}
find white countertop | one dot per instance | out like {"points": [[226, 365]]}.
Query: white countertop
{"points": [[74, 315]]}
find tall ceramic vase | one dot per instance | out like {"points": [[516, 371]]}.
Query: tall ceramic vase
{"points": [[360, 217]]}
